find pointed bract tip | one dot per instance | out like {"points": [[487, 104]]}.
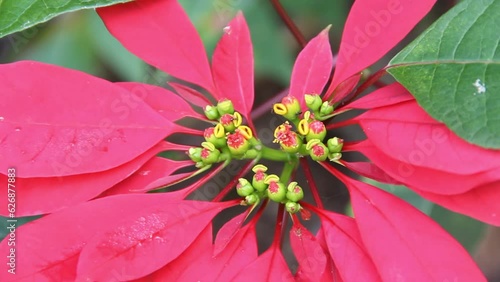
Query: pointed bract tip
{"points": [[326, 29]]}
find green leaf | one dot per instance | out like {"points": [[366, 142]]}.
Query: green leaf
{"points": [[453, 70], [17, 15]]}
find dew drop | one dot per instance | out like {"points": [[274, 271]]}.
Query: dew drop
{"points": [[145, 172], [227, 30], [158, 239], [2, 118], [17, 129]]}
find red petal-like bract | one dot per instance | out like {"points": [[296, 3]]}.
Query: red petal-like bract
{"points": [[269, 266], [232, 65], [156, 173], [73, 123], [201, 247], [160, 33], [49, 254], [145, 241], [331, 273], [370, 170], [374, 27], [165, 102], [227, 232], [343, 89], [205, 265], [191, 95], [392, 94], [43, 195], [480, 203], [346, 248], [310, 255], [422, 178], [403, 242], [406, 133], [312, 68]]}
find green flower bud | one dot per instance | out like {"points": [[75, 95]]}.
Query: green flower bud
{"points": [[326, 109], [335, 144], [216, 135], [317, 130], [227, 121], [292, 207], [317, 150], [209, 154], [211, 112], [334, 157], [194, 154], [225, 107], [237, 143], [294, 192], [289, 141], [244, 188], [313, 101], [276, 190], [288, 108], [258, 178], [252, 199]]}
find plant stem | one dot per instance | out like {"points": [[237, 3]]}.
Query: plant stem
{"points": [[289, 23], [275, 155], [287, 172]]}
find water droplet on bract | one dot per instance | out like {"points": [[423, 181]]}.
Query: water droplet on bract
{"points": [[17, 129], [145, 172], [2, 118], [227, 30], [158, 239]]}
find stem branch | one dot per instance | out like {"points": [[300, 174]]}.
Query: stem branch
{"points": [[289, 23]]}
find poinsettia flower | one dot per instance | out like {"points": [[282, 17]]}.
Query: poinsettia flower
{"points": [[405, 145], [164, 237]]}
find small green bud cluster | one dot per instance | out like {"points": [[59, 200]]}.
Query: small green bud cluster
{"points": [[311, 133], [227, 139], [317, 106], [269, 185]]}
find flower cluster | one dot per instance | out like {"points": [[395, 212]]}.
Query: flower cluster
{"points": [[308, 140], [227, 139], [85, 162], [269, 186]]}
